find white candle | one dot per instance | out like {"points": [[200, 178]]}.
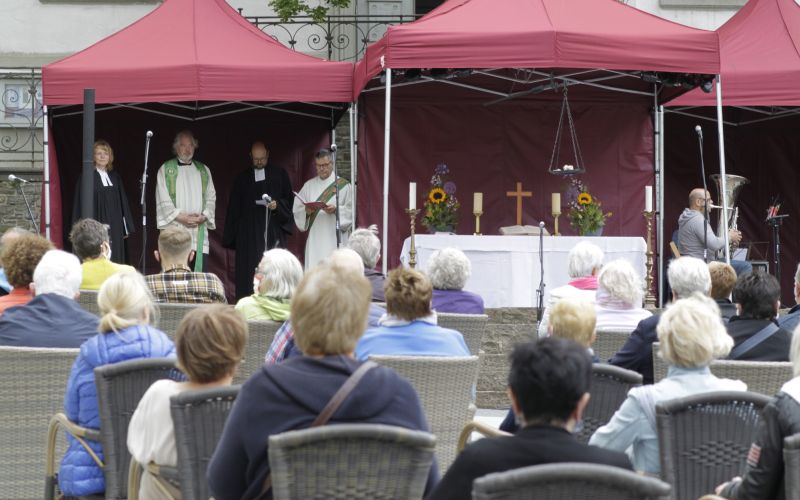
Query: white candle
{"points": [[556, 202], [648, 198], [412, 195], [477, 203]]}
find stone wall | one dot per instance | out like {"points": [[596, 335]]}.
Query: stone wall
{"points": [[12, 206]]}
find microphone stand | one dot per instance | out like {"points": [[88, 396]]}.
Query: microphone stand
{"points": [[336, 196], [705, 194], [143, 185], [27, 205], [267, 200], [775, 223], [540, 291]]}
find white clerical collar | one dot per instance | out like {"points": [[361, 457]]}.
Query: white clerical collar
{"points": [[104, 177], [260, 174]]}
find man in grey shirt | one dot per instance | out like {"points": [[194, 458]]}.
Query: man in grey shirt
{"points": [[692, 232]]}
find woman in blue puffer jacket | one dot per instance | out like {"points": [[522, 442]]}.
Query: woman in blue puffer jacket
{"points": [[126, 307]]}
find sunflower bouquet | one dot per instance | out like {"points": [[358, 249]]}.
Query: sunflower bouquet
{"points": [[441, 205], [585, 211]]}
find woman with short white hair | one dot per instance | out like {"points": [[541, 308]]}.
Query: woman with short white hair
{"points": [[692, 335], [619, 297], [584, 262], [449, 269], [365, 242], [277, 276]]}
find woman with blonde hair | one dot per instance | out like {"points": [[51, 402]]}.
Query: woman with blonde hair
{"points": [[110, 201], [210, 342], [691, 335], [126, 309]]}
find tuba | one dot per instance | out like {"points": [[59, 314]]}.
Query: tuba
{"points": [[729, 220]]}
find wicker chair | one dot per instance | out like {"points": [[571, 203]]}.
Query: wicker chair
{"points": [[350, 461], [120, 386], [199, 417], [704, 439], [32, 382], [764, 377], [609, 342], [568, 481], [88, 301], [445, 386], [170, 315], [471, 326], [610, 386], [791, 466], [259, 339]]}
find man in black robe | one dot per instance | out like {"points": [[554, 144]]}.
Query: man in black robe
{"points": [[245, 220]]}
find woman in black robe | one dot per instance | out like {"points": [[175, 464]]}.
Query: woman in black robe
{"points": [[110, 201]]}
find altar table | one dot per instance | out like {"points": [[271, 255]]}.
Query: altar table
{"points": [[505, 269]]}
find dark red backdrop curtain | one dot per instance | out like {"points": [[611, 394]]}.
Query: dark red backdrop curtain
{"points": [[224, 147], [489, 148]]}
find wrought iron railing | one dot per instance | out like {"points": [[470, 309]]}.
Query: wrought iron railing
{"points": [[338, 38], [21, 143]]}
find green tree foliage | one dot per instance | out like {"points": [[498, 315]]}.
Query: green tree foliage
{"points": [[290, 8]]}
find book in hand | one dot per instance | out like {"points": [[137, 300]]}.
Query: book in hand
{"points": [[314, 205]]}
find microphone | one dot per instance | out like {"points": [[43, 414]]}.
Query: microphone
{"points": [[149, 134], [699, 130], [333, 148], [541, 225], [14, 178], [267, 198]]}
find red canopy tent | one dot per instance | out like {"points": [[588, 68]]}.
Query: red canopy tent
{"points": [[198, 64], [594, 44]]}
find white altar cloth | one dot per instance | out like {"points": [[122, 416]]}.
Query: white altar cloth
{"points": [[505, 269]]}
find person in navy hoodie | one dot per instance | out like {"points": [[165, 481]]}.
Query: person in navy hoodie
{"points": [[126, 307]]}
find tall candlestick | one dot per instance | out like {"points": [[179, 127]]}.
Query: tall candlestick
{"points": [[650, 297], [412, 195], [556, 202], [648, 198], [477, 203], [412, 254]]}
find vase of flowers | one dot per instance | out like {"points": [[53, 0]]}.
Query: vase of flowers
{"points": [[585, 211], [441, 204]]}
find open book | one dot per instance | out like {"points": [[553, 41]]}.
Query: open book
{"points": [[314, 205], [522, 231]]}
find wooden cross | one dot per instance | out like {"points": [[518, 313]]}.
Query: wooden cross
{"points": [[519, 194]]}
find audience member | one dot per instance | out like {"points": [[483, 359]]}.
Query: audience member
{"points": [[329, 312], [283, 345], [277, 276], [52, 318], [763, 476], [177, 282], [20, 258], [790, 320], [584, 262], [619, 297], [691, 335], [409, 326], [686, 275], [366, 244], [756, 334], [210, 342], [6, 239], [448, 270], [549, 387], [91, 244], [126, 307], [723, 279]]}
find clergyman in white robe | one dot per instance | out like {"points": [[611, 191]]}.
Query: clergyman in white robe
{"points": [[322, 234], [188, 199]]}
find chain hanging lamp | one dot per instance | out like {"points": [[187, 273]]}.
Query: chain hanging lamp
{"points": [[555, 165]]}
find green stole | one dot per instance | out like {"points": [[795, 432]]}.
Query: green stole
{"points": [[171, 177], [324, 197]]}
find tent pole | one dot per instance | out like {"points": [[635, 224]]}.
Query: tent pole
{"points": [[353, 161], [87, 179], [387, 119], [723, 185], [46, 166], [660, 207]]}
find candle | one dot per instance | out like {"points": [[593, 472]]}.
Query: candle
{"points": [[412, 195], [477, 203], [556, 203], [648, 198]]}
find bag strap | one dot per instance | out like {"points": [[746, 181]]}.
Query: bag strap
{"points": [[759, 337], [330, 408]]}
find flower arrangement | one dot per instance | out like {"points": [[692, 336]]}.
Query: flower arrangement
{"points": [[585, 211], [441, 205]]}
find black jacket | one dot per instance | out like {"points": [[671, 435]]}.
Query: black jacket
{"points": [[774, 348], [637, 352], [763, 476], [534, 445]]}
